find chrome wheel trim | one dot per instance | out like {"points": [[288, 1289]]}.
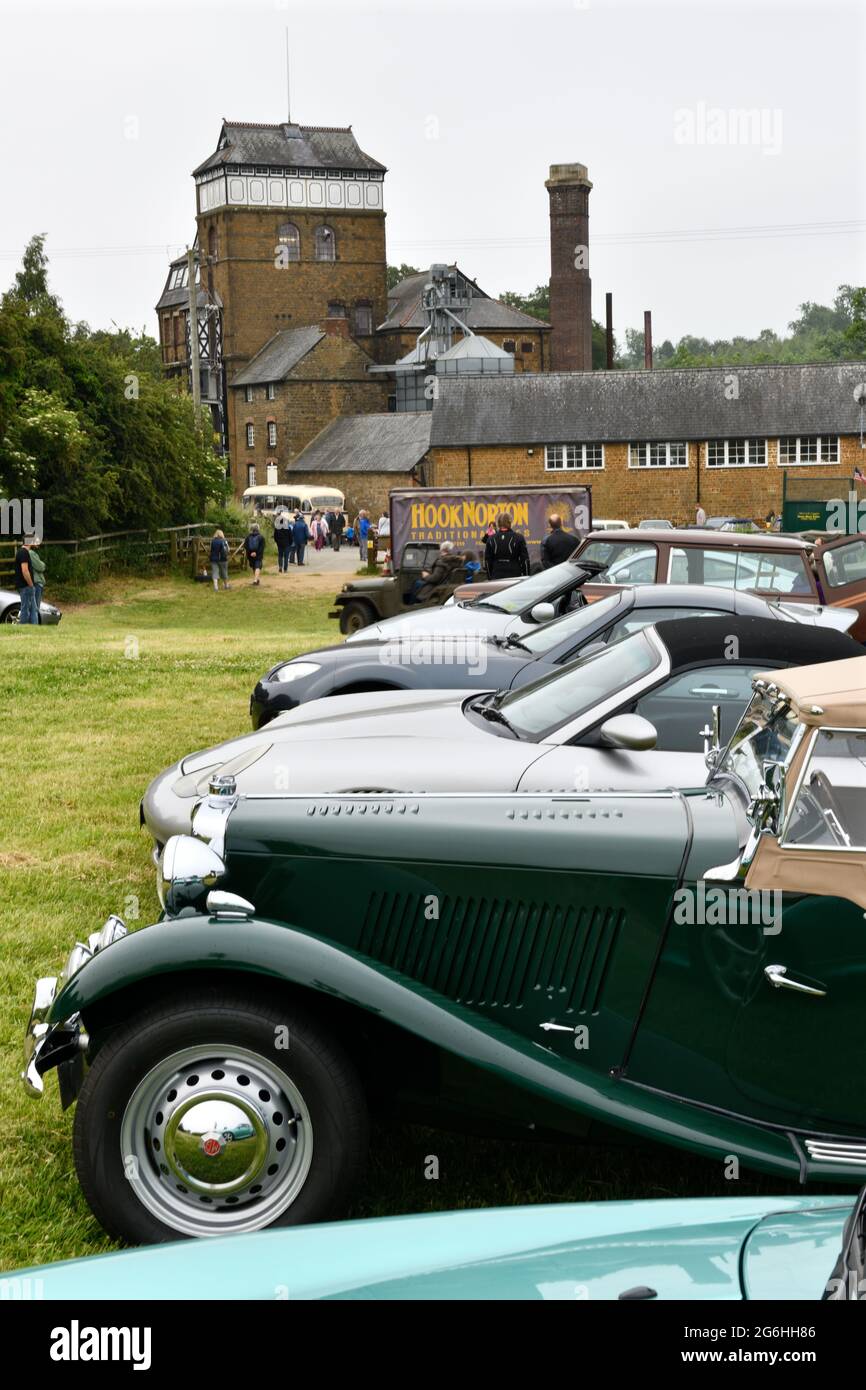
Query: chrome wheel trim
{"points": [[171, 1173]]}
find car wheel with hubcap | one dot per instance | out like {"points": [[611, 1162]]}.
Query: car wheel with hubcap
{"points": [[151, 1146], [12, 614]]}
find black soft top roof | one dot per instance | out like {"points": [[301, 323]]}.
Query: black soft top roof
{"points": [[691, 641]]}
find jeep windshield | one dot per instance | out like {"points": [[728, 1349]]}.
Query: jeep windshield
{"points": [[535, 589], [547, 704], [765, 732]]}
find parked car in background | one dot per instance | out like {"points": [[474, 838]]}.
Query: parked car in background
{"points": [[498, 609], [601, 524], [744, 524], [10, 608], [481, 939], [827, 568], [691, 1248], [562, 730], [655, 525], [445, 660]]}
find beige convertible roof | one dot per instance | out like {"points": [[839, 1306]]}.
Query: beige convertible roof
{"points": [[833, 692]]}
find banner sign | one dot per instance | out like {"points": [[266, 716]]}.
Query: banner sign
{"points": [[463, 515]]}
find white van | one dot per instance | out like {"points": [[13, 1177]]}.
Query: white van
{"points": [[298, 497]]}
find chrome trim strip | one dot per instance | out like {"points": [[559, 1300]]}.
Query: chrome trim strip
{"points": [[561, 794]]}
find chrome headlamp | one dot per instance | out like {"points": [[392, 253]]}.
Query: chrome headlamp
{"points": [[187, 871]]}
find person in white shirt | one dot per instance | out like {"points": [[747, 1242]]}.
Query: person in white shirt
{"points": [[700, 516], [383, 525]]}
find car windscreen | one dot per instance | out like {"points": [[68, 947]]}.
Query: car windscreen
{"points": [[570, 628], [764, 733], [534, 590], [544, 706]]}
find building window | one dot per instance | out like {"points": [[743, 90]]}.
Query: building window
{"points": [[653, 453], [736, 453], [508, 345], [289, 237], [272, 434], [326, 244], [562, 456], [251, 436], [526, 347], [336, 310], [251, 475], [272, 391], [809, 448], [363, 320], [248, 394]]}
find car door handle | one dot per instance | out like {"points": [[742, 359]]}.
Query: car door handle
{"points": [[779, 979], [709, 690]]}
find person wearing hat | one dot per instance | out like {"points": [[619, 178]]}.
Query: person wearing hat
{"points": [[254, 548]]}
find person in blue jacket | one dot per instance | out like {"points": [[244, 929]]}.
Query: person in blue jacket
{"points": [[254, 548], [219, 561], [300, 536]]}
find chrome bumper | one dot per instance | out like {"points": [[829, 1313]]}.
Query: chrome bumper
{"points": [[38, 1032], [62, 1045]]}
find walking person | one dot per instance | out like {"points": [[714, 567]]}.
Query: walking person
{"points": [[505, 554], [37, 567], [254, 549], [219, 561], [338, 525], [363, 534], [300, 536], [25, 584], [283, 538], [558, 544], [700, 516], [319, 531]]}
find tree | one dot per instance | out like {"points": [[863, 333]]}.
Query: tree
{"points": [[396, 273]]}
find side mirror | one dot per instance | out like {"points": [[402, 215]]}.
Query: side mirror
{"points": [[543, 613], [628, 731]]}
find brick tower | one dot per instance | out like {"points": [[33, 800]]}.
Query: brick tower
{"points": [[570, 285]]}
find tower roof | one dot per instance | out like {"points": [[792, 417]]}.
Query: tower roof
{"points": [[289, 146]]}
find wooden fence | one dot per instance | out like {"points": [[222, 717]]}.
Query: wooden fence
{"points": [[187, 546]]}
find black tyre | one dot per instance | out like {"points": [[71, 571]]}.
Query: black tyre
{"points": [[354, 616], [12, 613], [148, 1143]]}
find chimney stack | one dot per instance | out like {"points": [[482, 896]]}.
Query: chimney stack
{"points": [[570, 286]]}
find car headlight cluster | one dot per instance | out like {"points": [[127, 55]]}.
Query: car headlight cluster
{"points": [[294, 670], [187, 871]]}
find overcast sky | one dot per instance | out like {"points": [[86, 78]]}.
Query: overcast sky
{"points": [[107, 107]]}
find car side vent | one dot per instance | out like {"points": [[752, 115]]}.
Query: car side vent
{"points": [[498, 953]]}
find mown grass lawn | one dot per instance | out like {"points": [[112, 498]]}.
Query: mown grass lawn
{"points": [[146, 672]]}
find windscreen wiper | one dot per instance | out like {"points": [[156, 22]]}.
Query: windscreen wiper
{"points": [[512, 640], [848, 1280], [496, 717]]}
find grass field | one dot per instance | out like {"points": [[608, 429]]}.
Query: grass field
{"points": [[146, 672]]}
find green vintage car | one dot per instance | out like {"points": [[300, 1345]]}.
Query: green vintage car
{"points": [[678, 966]]}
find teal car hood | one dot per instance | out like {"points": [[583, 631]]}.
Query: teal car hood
{"points": [[687, 1249]]}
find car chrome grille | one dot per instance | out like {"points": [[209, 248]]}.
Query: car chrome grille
{"points": [[837, 1151], [495, 953]]}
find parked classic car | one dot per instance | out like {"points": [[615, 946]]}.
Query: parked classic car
{"points": [[512, 609], [10, 607], [826, 568], [694, 1249], [564, 730], [685, 966], [454, 660]]}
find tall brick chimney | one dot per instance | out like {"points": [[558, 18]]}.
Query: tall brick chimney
{"points": [[570, 285]]}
